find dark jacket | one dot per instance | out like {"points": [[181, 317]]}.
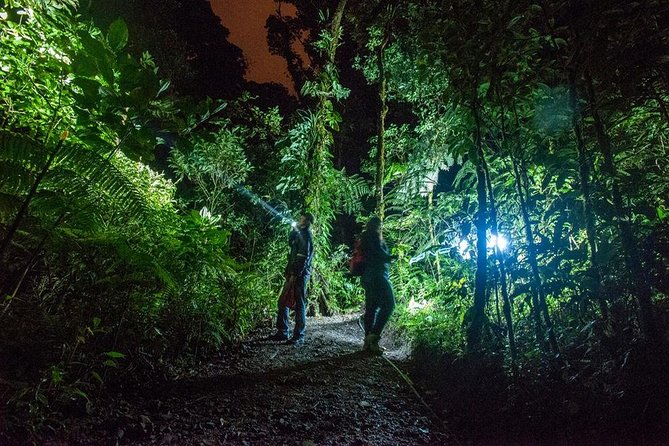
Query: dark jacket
{"points": [[376, 254], [301, 252]]}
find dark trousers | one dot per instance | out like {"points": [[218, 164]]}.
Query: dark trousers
{"points": [[283, 319], [379, 303]]}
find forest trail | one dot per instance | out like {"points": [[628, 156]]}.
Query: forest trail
{"points": [[325, 392]]}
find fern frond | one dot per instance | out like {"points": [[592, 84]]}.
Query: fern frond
{"points": [[9, 204], [15, 178], [22, 150], [101, 173]]}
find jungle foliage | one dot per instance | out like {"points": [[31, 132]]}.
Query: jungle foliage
{"points": [[517, 153], [107, 271]]}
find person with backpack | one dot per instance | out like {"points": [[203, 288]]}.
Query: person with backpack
{"points": [[375, 280], [297, 272]]}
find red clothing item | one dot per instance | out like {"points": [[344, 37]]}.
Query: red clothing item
{"points": [[288, 296]]}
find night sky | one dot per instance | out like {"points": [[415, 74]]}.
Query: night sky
{"points": [[246, 22]]}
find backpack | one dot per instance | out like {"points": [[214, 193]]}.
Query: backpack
{"points": [[356, 264]]}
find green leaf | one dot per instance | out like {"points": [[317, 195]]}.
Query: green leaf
{"points": [[117, 36], [115, 355], [80, 393], [164, 85], [483, 89], [513, 22], [84, 65], [56, 375], [97, 376], [106, 70], [90, 89], [93, 48]]}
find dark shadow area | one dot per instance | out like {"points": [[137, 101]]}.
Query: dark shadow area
{"points": [[223, 382], [541, 406]]}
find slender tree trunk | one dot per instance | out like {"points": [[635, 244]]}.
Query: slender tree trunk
{"points": [[584, 179], [536, 315], [433, 235], [534, 263], [478, 316], [336, 28], [381, 143], [324, 307], [641, 285], [315, 151], [501, 268], [11, 231], [316, 154]]}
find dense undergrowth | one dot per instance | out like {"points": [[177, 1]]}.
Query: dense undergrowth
{"points": [[107, 273], [590, 396]]}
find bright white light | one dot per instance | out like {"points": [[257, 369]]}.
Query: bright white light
{"points": [[463, 249], [502, 243], [499, 241], [463, 245], [294, 224]]}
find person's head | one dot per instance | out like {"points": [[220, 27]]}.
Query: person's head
{"points": [[306, 220], [374, 224]]}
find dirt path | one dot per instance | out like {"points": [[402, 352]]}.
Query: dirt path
{"points": [[324, 392]]}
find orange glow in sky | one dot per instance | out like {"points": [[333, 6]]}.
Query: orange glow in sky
{"points": [[246, 21]]}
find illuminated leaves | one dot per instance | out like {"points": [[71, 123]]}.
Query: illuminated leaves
{"points": [[117, 36]]}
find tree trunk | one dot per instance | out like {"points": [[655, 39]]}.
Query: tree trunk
{"points": [[478, 316], [506, 301], [335, 29], [433, 235], [538, 325], [11, 231], [584, 178], [381, 143], [632, 258], [315, 151], [323, 297], [534, 264]]}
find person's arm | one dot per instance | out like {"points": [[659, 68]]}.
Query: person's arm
{"points": [[303, 249], [308, 255], [373, 248], [290, 264], [387, 257]]}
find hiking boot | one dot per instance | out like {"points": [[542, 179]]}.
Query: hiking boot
{"points": [[367, 343], [278, 337], [374, 346], [295, 341]]}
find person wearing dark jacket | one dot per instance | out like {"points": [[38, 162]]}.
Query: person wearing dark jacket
{"points": [[379, 298], [297, 274]]}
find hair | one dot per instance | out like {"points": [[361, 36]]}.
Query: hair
{"points": [[310, 217]]}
